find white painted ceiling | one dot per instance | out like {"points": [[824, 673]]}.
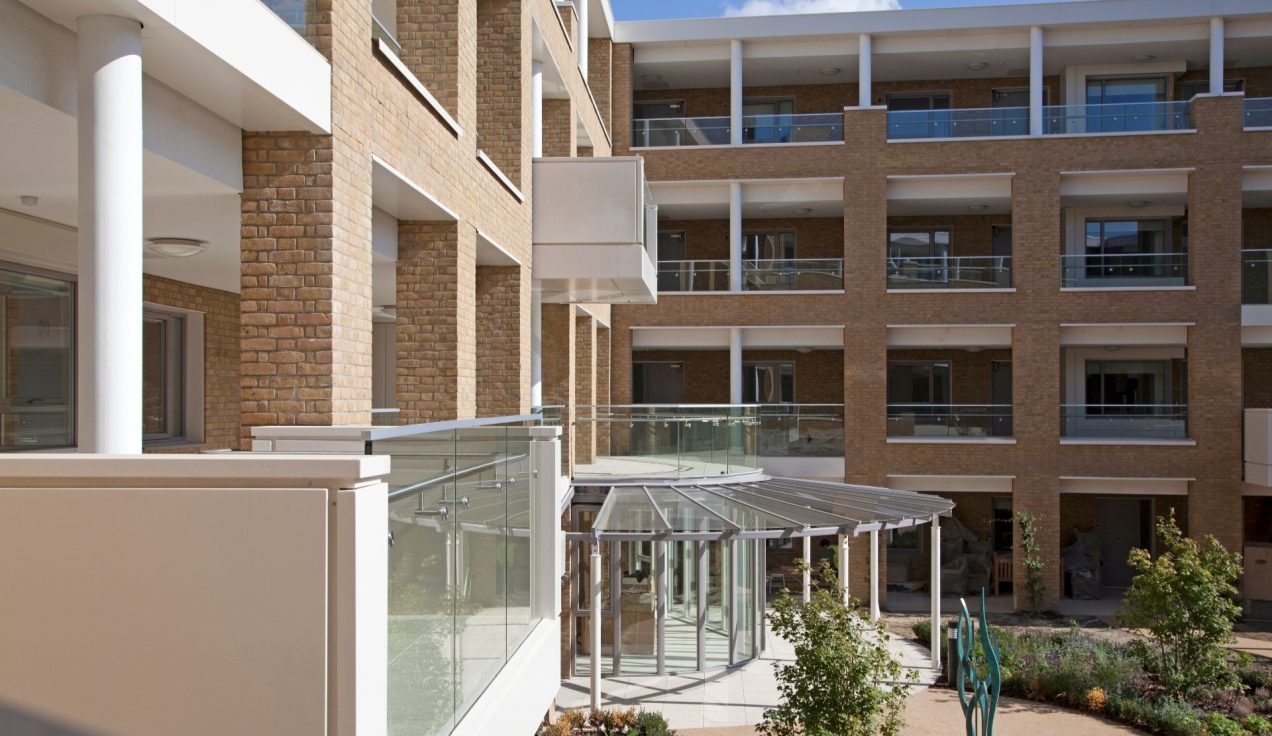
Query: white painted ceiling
{"points": [[38, 157]]}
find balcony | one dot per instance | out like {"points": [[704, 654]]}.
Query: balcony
{"points": [[1258, 112], [786, 274], [1129, 117], [949, 421], [1124, 421], [957, 123], [1256, 276], [1114, 270], [668, 441], [595, 231], [756, 129], [950, 272]]}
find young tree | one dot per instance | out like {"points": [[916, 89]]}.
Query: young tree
{"points": [[1185, 599], [844, 681]]}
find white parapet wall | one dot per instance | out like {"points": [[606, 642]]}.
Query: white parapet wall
{"points": [[209, 594]]}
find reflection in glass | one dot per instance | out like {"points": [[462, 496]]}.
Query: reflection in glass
{"points": [[36, 370]]}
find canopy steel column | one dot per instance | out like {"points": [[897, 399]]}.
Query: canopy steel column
{"points": [[595, 622], [616, 608], [935, 585], [761, 599], [874, 576], [864, 72], [686, 588], [808, 569], [735, 92], [1035, 80], [109, 312], [703, 573], [1216, 56], [763, 552], [660, 603], [843, 567], [734, 595]]}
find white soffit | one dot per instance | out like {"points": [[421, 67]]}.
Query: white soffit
{"points": [[1157, 187], [397, 195], [490, 253], [1174, 333], [950, 195], [941, 336], [1126, 486], [996, 484], [1256, 186]]}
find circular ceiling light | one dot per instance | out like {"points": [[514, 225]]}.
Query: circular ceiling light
{"points": [[1143, 58], [977, 207], [1138, 204], [977, 65], [829, 71], [803, 210], [175, 247], [651, 77]]}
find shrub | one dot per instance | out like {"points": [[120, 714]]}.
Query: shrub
{"points": [[844, 681], [1035, 585], [1096, 700], [652, 723], [1174, 718], [1184, 598], [1258, 725], [922, 632], [1218, 724]]}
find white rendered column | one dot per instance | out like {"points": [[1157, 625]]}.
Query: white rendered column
{"points": [[1035, 80], [1216, 56], [935, 585], [580, 10], [865, 71], [735, 365], [843, 566], [808, 562], [108, 341], [595, 621], [536, 347], [874, 576], [735, 236], [735, 92], [536, 109]]}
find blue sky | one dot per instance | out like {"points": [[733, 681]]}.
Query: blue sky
{"points": [[655, 9]]}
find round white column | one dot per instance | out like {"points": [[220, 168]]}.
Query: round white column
{"points": [[536, 109], [109, 337]]}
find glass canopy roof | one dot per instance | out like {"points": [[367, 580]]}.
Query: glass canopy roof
{"points": [[763, 507]]}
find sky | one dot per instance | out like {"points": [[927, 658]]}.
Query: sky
{"points": [[659, 9]]}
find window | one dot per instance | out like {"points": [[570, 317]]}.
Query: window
{"points": [[163, 390], [1002, 527], [1124, 90], [768, 383], [37, 368], [908, 243], [919, 383], [1130, 249], [658, 383], [1112, 384], [918, 101], [764, 245], [658, 109], [1192, 88], [1125, 104]]}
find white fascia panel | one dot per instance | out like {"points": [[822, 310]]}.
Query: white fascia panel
{"points": [[938, 336], [997, 484], [1133, 184], [780, 338], [1173, 334], [680, 338], [1256, 337], [1125, 486], [976, 186]]}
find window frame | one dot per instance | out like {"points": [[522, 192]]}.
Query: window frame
{"points": [[174, 368], [751, 365], [763, 232], [72, 405]]}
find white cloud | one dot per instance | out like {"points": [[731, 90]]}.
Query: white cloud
{"points": [[786, 7]]}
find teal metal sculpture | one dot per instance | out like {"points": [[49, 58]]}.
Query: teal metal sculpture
{"points": [[979, 677]]}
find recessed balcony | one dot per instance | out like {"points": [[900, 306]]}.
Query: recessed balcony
{"points": [[1256, 276], [756, 129], [1124, 270], [1124, 421], [1124, 392], [1124, 117], [949, 272], [782, 274], [957, 123]]}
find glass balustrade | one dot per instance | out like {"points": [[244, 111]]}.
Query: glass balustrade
{"points": [[1127, 117], [1258, 112], [1124, 269], [712, 275], [656, 132], [958, 123], [793, 274], [1256, 276], [950, 272], [459, 565], [809, 128], [1124, 421], [801, 430], [949, 420], [668, 441]]}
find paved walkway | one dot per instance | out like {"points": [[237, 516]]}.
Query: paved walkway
{"points": [[726, 697]]}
